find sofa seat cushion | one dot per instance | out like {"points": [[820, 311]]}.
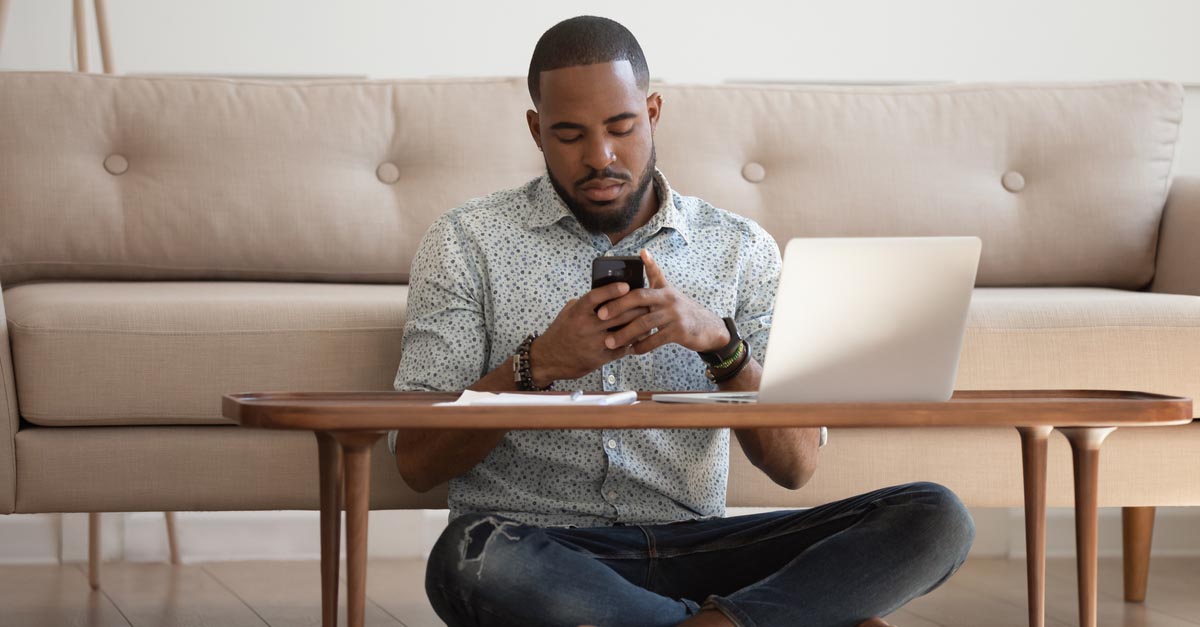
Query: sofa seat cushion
{"points": [[1081, 338], [104, 469], [164, 352], [126, 353]]}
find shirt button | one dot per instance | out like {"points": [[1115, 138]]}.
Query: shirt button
{"points": [[612, 444], [611, 379], [612, 494]]}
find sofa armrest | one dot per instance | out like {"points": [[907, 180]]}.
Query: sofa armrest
{"points": [[1177, 268], [9, 421]]}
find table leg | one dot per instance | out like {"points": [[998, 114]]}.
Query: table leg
{"points": [[1085, 449], [330, 455], [1033, 463], [356, 453]]}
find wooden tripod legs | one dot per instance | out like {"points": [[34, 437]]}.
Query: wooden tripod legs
{"points": [[1085, 449], [345, 464], [330, 455], [1033, 461]]}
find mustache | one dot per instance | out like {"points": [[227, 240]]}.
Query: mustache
{"points": [[606, 173]]}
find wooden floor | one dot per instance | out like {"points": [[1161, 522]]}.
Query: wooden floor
{"points": [[985, 593]]}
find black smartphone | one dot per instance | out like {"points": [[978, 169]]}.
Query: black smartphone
{"points": [[629, 270]]}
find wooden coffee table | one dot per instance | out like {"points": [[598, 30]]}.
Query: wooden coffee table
{"points": [[347, 425]]}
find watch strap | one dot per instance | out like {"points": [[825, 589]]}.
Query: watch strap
{"points": [[727, 352]]}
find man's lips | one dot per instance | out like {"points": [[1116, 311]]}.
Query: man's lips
{"points": [[600, 191]]}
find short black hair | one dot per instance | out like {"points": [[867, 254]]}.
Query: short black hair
{"points": [[585, 40]]}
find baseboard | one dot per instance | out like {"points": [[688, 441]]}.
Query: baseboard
{"points": [[29, 539], [1176, 532], [293, 535], [279, 535]]}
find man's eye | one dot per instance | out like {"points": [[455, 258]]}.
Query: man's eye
{"points": [[622, 132], [569, 140]]}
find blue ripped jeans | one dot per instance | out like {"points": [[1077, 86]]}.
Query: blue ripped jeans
{"points": [[830, 566]]}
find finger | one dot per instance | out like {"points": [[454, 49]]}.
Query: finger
{"points": [[657, 279], [629, 349], [603, 294], [640, 326], [623, 319], [651, 343], [646, 298]]}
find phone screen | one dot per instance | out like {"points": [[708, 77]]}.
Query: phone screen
{"points": [[630, 270]]}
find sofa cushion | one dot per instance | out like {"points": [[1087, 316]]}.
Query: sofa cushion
{"points": [[66, 469], [104, 353], [164, 352], [107, 177], [1081, 338]]}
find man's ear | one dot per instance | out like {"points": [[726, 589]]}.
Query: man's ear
{"points": [[654, 109], [535, 127]]}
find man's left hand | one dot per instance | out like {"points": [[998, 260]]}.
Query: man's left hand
{"points": [[677, 317]]}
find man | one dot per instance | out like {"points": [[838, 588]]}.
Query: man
{"points": [[617, 528]]}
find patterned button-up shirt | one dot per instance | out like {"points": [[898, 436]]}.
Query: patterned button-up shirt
{"points": [[492, 271]]}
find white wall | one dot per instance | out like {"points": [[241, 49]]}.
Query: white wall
{"points": [[693, 41], [706, 42]]}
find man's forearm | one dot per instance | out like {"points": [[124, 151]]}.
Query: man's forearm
{"points": [[427, 458], [787, 455]]}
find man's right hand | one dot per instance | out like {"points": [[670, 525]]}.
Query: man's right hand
{"points": [[573, 345]]}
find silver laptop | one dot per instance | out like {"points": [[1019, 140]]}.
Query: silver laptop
{"points": [[864, 320]]}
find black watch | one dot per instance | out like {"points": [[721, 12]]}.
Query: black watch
{"points": [[725, 352]]}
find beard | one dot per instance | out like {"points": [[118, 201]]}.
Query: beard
{"points": [[606, 222]]}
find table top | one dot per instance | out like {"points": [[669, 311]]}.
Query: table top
{"points": [[382, 411]]}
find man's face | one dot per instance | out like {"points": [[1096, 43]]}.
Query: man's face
{"points": [[596, 132]]}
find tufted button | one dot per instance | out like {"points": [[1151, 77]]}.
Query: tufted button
{"points": [[754, 172], [388, 172], [1013, 181], [116, 164]]}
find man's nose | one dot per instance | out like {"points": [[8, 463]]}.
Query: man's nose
{"points": [[598, 153]]}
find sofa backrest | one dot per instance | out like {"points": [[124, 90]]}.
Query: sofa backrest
{"points": [[180, 178]]}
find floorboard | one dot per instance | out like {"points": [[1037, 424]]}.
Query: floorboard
{"points": [[288, 594], [161, 595], [984, 593], [53, 596]]}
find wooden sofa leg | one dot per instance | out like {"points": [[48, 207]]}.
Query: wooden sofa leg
{"points": [[1137, 529], [94, 550], [171, 541]]}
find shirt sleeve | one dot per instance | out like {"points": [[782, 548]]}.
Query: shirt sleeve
{"points": [[445, 344], [759, 269]]}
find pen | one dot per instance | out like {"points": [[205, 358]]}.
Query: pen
{"points": [[576, 395]]}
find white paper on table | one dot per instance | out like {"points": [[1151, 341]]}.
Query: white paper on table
{"points": [[471, 398]]}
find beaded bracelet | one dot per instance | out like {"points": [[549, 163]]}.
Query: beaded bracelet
{"points": [[523, 369]]}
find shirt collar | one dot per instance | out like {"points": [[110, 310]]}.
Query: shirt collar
{"points": [[547, 208]]}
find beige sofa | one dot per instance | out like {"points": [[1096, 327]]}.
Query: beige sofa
{"points": [[165, 241]]}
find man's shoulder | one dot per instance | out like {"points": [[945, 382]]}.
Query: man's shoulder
{"points": [[500, 207], [702, 216]]}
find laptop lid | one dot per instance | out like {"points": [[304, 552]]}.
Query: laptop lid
{"points": [[869, 319]]}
